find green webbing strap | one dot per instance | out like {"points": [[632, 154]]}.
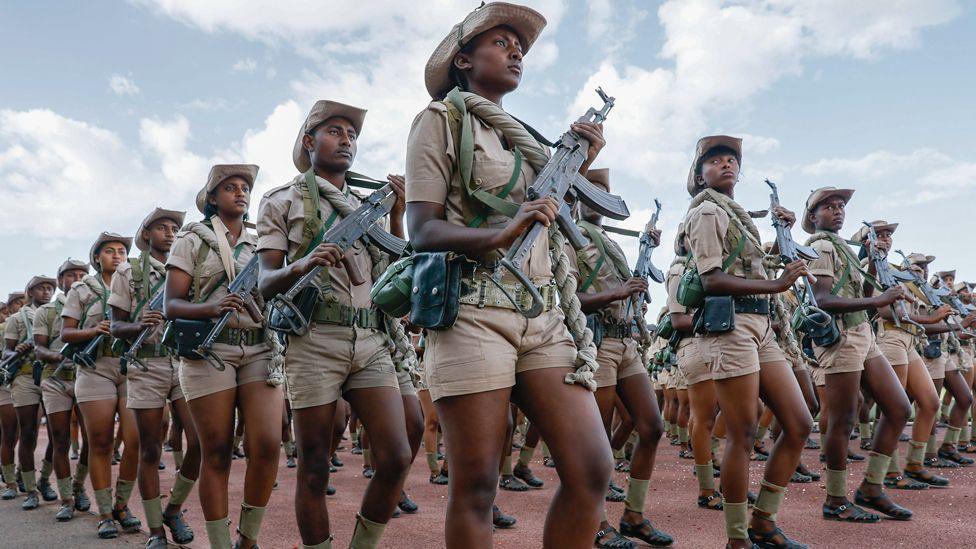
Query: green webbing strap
{"points": [[103, 299], [735, 254], [198, 267], [850, 262], [29, 326], [142, 302], [500, 204], [594, 236], [589, 280], [312, 216]]}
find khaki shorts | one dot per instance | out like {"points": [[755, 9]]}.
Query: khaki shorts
{"points": [[5, 399], [936, 367], [691, 364], [664, 379], [966, 358], [58, 398], [245, 364], [951, 365], [487, 347], [24, 392], [741, 351], [680, 382], [856, 346], [618, 358], [332, 359], [153, 388], [818, 376], [406, 384], [104, 382], [898, 347]]}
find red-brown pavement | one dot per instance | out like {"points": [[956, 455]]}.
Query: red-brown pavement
{"points": [[943, 517]]}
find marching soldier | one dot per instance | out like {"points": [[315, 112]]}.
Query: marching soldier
{"points": [[9, 432]]}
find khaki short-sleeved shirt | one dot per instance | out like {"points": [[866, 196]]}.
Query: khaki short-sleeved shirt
{"points": [[213, 281], [128, 297], [19, 324], [47, 322], [84, 304], [673, 278], [432, 176], [832, 264], [606, 278], [281, 219], [707, 227]]}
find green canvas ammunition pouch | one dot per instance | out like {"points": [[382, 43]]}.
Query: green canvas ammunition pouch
{"points": [[664, 328], [391, 291]]}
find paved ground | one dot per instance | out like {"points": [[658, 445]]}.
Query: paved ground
{"points": [[944, 518]]}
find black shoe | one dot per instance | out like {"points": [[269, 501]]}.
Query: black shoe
{"points": [[904, 438], [512, 484], [167, 447], [940, 463], [851, 456], [406, 504], [162, 466], [336, 462], [290, 462], [82, 503], [904, 483], [74, 455], [928, 477], [614, 496], [47, 493], [8, 493], [706, 502], [812, 444], [239, 453], [525, 474], [615, 542], [501, 520], [440, 479], [107, 529], [116, 458], [31, 501], [368, 472], [156, 542], [954, 456], [357, 449], [773, 540], [65, 513], [178, 528], [125, 518], [330, 490], [654, 538], [883, 505]]}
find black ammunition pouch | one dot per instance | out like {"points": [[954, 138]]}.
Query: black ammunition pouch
{"points": [[37, 368], [184, 336], [932, 348], [435, 296], [595, 324], [286, 319], [716, 315], [817, 324]]}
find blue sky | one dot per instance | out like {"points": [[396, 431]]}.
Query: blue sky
{"points": [[108, 109]]}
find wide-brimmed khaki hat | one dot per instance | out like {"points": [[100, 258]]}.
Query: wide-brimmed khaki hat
{"points": [[959, 286], [706, 144], [878, 224], [321, 111], [103, 239], [527, 22], [38, 280], [72, 264], [599, 176], [816, 197], [942, 274], [219, 173], [920, 259], [156, 215], [14, 296]]}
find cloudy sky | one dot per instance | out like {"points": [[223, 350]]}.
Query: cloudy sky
{"points": [[108, 109]]}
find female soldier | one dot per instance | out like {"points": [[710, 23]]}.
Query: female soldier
{"points": [[955, 383], [492, 355], [134, 286], [203, 261], [58, 392], [8, 417], [100, 391], [745, 361], [845, 290]]}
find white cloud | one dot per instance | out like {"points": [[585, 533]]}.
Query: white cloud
{"points": [[877, 165], [122, 86], [246, 65]]}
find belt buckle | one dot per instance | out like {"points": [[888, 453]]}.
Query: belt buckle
{"points": [[233, 336], [482, 292], [362, 318]]}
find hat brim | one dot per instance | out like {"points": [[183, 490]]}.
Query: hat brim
{"points": [[527, 22], [159, 213], [706, 144], [354, 115], [38, 280], [816, 198]]}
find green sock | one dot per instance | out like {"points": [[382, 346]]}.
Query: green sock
{"points": [[181, 489], [667, 427], [432, 463], [178, 458], [81, 475], [893, 464], [865, 429], [525, 455], [619, 453], [123, 490], [30, 480], [249, 524], [367, 533], [736, 519], [932, 446], [877, 467], [951, 436], [46, 469], [836, 482], [636, 494], [219, 533], [761, 433], [289, 448], [705, 475], [154, 512], [545, 451], [367, 458], [769, 499], [9, 472], [507, 465], [327, 544], [64, 488], [683, 435], [103, 500], [916, 455]]}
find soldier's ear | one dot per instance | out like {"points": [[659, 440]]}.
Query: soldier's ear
{"points": [[308, 142], [462, 62]]}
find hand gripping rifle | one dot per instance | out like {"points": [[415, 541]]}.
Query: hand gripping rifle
{"points": [[810, 318], [560, 180], [10, 367], [290, 311], [131, 355], [933, 295], [646, 270], [242, 286], [87, 356], [889, 278]]}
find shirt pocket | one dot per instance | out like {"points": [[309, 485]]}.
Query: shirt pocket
{"points": [[492, 174]]}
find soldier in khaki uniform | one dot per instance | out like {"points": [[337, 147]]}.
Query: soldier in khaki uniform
{"points": [[607, 288], [58, 393], [967, 438], [203, 261], [134, 285], [26, 394], [345, 352], [743, 357], [846, 291], [100, 391], [492, 354], [9, 433]]}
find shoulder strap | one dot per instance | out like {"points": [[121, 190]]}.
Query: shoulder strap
{"points": [[594, 236], [737, 251], [28, 326], [198, 270], [850, 263]]}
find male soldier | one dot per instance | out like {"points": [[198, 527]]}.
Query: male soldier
{"points": [[58, 393], [24, 390], [345, 352], [8, 417], [152, 376], [608, 290], [967, 439]]}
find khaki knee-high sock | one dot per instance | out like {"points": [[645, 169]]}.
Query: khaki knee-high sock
{"points": [[219, 533], [30, 480], [916, 455], [932, 446], [46, 469], [545, 451], [716, 444], [118, 444], [946, 407], [636, 494], [877, 467], [964, 434], [154, 512], [667, 428], [525, 455], [865, 429], [367, 458], [736, 519], [74, 446], [250, 521], [683, 435], [761, 433], [64, 489], [367, 533], [769, 499], [836, 482], [81, 475], [181, 490], [237, 441], [103, 500], [619, 454], [327, 544], [506, 465], [178, 458], [289, 447], [432, 463], [893, 466], [706, 478], [123, 490], [823, 444], [951, 436], [9, 472]]}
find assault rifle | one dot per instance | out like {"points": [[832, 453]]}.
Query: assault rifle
{"points": [[131, 355], [291, 310], [242, 286], [89, 353], [889, 278], [646, 270], [933, 295], [561, 181], [10, 367]]}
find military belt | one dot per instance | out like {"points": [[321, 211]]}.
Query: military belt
{"points": [[751, 305], [617, 330], [346, 315], [853, 320], [482, 293], [238, 336]]}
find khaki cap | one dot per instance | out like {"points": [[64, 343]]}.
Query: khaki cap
{"points": [[816, 197], [959, 286], [943, 274], [920, 259], [527, 22], [72, 264], [706, 144], [878, 224], [38, 280], [156, 215], [103, 239], [14, 296], [321, 111], [599, 176], [219, 173]]}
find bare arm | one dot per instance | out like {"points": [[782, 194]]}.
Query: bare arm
{"points": [[43, 353], [176, 304], [276, 278], [430, 231], [590, 303], [71, 333], [836, 304]]}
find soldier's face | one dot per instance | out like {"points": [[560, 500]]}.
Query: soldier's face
{"points": [[15, 305], [495, 62], [232, 196], [829, 214], [161, 234], [334, 144], [42, 293], [111, 255], [720, 172], [70, 277]]}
